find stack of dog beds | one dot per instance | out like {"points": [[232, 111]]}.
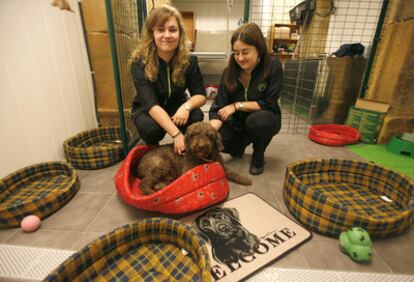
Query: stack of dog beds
{"points": [[94, 149], [40, 189], [198, 188], [148, 250], [330, 196]]}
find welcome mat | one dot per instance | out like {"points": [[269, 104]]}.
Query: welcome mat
{"points": [[244, 234]]}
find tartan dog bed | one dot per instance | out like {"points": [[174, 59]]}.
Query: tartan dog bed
{"points": [[95, 148], [148, 250], [330, 196], [198, 188], [40, 189]]}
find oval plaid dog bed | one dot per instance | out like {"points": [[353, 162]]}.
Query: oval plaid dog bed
{"points": [[330, 196], [333, 134], [200, 187], [148, 250], [40, 189], [95, 148]]}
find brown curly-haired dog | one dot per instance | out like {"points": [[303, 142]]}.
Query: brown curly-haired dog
{"points": [[160, 166]]}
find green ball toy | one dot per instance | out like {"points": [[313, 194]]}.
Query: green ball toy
{"points": [[357, 244]]}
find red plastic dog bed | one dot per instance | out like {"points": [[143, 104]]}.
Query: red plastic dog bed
{"points": [[200, 187], [333, 134]]}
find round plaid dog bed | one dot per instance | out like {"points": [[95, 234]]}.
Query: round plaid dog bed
{"points": [[330, 196], [95, 148], [40, 189], [198, 188], [153, 249]]}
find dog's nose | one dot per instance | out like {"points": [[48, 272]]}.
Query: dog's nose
{"points": [[202, 147]]}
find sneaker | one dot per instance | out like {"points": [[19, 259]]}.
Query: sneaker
{"points": [[237, 155], [240, 153], [256, 169]]}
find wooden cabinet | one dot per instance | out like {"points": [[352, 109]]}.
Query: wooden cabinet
{"points": [[189, 24], [283, 40]]}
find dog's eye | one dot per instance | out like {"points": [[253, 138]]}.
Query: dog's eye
{"points": [[216, 216], [205, 223]]}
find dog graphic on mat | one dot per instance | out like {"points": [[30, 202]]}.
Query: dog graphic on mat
{"points": [[229, 239]]}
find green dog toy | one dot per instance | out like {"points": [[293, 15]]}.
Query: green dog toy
{"points": [[357, 244]]}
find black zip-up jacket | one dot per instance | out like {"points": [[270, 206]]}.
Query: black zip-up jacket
{"points": [[265, 93], [163, 91]]}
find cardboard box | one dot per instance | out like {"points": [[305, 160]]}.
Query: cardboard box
{"points": [[367, 116], [372, 106], [281, 33]]}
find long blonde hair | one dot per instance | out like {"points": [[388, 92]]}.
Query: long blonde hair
{"points": [[147, 50]]}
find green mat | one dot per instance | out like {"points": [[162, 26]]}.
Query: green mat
{"points": [[379, 155]]}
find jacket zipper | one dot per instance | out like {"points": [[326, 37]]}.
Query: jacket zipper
{"points": [[246, 90], [169, 83]]}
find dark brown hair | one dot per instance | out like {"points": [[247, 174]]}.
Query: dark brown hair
{"points": [[249, 34]]}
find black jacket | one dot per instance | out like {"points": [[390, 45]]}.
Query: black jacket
{"points": [[163, 91], [265, 93]]}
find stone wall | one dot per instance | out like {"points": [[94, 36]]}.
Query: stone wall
{"points": [[100, 53], [392, 77], [314, 35], [342, 78]]}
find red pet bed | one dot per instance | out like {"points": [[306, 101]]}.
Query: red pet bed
{"points": [[333, 134], [198, 188]]}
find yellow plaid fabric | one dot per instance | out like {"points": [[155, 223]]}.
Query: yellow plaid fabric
{"points": [[40, 189], [330, 196], [148, 250], [95, 148]]}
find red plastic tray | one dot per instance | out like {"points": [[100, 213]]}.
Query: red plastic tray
{"points": [[333, 134]]}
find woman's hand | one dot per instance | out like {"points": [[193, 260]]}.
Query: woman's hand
{"points": [[225, 112], [179, 146], [180, 117]]}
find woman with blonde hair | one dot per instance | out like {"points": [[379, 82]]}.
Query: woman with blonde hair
{"points": [[163, 70], [246, 108]]}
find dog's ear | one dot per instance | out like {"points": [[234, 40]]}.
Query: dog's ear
{"points": [[219, 143], [232, 212], [187, 137]]}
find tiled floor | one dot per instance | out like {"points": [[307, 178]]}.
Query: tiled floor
{"points": [[96, 209]]}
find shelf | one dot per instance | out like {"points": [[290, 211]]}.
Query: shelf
{"points": [[286, 40], [283, 55], [283, 38]]}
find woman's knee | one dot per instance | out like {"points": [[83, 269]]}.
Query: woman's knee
{"points": [[149, 130], [196, 116], [152, 135], [264, 121]]}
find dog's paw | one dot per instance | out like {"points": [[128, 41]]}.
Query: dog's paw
{"points": [[147, 192], [248, 181], [145, 188], [160, 186]]}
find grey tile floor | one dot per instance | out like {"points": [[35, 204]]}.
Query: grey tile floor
{"points": [[96, 209]]}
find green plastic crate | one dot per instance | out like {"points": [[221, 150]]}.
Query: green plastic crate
{"points": [[367, 122]]}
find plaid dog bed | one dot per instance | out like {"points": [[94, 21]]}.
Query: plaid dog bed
{"points": [[95, 148], [330, 196], [40, 189], [148, 250]]}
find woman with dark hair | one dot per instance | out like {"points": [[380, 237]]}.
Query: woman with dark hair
{"points": [[246, 108], [163, 70]]}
